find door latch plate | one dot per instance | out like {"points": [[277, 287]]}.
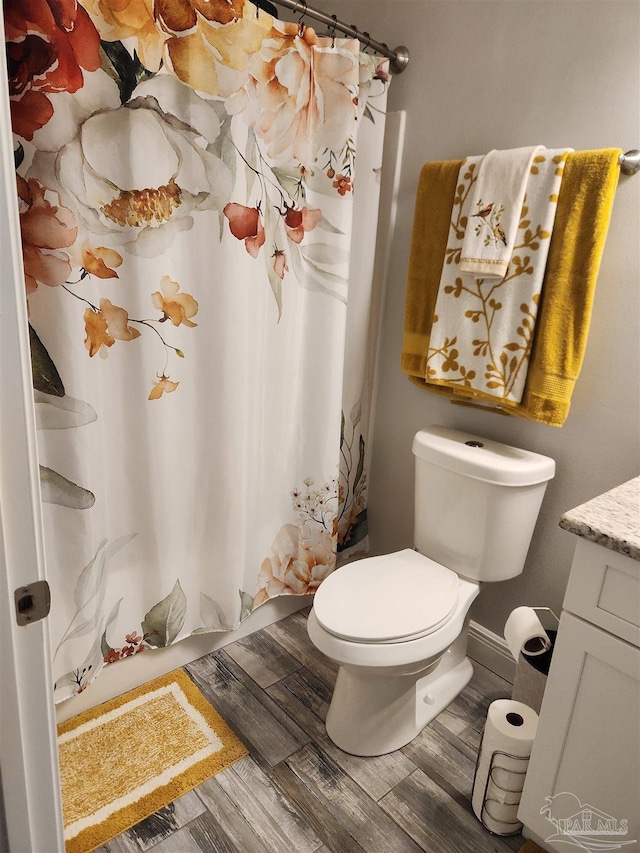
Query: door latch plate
{"points": [[32, 602]]}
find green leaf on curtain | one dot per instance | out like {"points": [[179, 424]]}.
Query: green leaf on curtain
{"points": [[356, 532], [212, 615], [325, 253], [164, 621], [311, 283], [356, 413], [125, 69], [94, 660], [92, 580], [308, 281], [89, 592], [246, 604], [61, 412], [360, 467], [45, 375], [56, 489], [368, 114], [329, 276], [224, 148], [291, 182], [327, 226], [250, 156], [105, 648]]}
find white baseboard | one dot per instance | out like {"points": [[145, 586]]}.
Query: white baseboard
{"points": [[491, 651]]}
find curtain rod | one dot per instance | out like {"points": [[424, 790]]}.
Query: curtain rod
{"points": [[399, 57]]}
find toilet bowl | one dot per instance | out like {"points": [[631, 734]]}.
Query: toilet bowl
{"points": [[402, 667], [397, 624]]}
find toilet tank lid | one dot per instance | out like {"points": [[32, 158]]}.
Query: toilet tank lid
{"points": [[482, 458]]}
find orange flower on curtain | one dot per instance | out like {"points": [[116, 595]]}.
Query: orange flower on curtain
{"points": [[307, 98], [163, 386], [49, 42], [47, 230], [105, 326], [245, 223], [177, 307], [298, 222], [205, 43], [302, 558], [100, 261], [130, 19]]}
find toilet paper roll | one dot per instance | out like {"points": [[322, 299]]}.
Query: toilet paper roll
{"points": [[509, 731], [524, 633], [507, 798], [500, 819], [506, 786], [499, 828], [502, 812]]}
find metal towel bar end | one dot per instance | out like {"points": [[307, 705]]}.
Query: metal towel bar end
{"points": [[630, 162]]}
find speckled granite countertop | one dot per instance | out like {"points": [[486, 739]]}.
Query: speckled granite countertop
{"points": [[611, 519]]}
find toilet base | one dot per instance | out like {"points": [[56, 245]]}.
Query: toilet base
{"points": [[374, 712]]}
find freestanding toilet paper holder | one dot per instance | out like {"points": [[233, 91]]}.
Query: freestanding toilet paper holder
{"points": [[500, 789]]}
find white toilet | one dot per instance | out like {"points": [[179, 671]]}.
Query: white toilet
{"points": [[397, 624]]}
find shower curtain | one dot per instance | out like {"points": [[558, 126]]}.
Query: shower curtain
{"points": [[198, 188]]}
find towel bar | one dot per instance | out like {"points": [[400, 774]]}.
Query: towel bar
{"points": [[630, 162]]}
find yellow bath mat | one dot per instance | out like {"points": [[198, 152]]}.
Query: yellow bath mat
{"points": [[125, 759]]}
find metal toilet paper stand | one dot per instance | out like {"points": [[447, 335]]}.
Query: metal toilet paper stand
{"points": [[517, 825], [531, 670]]}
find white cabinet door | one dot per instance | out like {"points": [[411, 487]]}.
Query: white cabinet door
{"points": [[583, 781]]}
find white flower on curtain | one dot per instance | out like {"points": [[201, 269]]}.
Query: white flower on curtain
{"points": [[186, 185], [165, 169]]}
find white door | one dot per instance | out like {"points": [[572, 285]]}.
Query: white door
{"points": [[28, 753]]}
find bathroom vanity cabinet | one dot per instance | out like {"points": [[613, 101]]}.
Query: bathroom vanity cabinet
{"points": [[583, 781]]}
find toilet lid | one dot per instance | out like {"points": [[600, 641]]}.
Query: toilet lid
{"points": [[387, 599]]}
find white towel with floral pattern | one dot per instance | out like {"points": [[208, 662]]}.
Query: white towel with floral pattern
{"points": [[496, 202], [483, 327]]}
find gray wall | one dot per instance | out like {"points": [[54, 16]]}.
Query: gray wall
{"points": [[499, 74]]}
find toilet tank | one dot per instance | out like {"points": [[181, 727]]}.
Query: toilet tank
{"points": [[476, 502]]}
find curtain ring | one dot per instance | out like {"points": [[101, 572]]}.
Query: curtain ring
{"points": [[332, 31], [300, 22], [365, 33]]}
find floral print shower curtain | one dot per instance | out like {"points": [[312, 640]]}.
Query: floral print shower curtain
{"points": [[198, 191]]}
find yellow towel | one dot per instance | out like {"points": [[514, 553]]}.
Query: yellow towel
{"points": [[434, 205], [582, 220]]}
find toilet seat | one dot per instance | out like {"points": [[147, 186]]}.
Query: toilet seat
{"points": [[390, 599]]}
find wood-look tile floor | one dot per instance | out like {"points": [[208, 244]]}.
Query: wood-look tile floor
{"points": [[298, 793]]}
